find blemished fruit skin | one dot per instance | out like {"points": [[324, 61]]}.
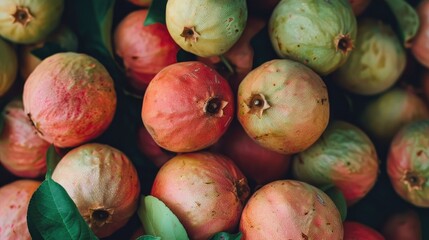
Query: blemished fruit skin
{"points": [[206, 28], [376, 62], [408, 163], [145, 50], [187, 107], [319, 34], [344, 156], [14, 200], [290, 209], [22, 151], [29, 21], [283, 105], [103, 183], [70, 99], [206, 191], [8, 66]]}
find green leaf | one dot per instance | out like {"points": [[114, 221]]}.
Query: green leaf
{"points": [[226, 236], [52, 159], [52, 214], [338, 198], [407, 18], [156, 12], [158, 220], [148, 237]]}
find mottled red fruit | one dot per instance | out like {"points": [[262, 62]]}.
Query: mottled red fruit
{"points": [[358, 231], [70, 99], [403, 225], [205, 191], [258, 164], [145, 50], [408, 163], [14, 200], [283, 105], [289, 209], [419, 44], [22, 151], [187, 107], [151, 150]]}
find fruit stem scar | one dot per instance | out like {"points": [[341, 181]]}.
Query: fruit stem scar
{"points": [[413, 180], [34, 124], [22, 15], [258, 104], [343, 43], [190, 34]]}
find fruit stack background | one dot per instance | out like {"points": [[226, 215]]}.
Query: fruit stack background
{"points": [[165, 118]]}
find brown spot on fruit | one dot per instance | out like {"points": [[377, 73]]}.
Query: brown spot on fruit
{"points": [[343, 43], [190, 34], [304, 236]]}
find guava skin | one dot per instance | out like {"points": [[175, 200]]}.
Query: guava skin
{"points": [[283, 105], [70, 99], [206, 28], [145, 50], [100, 178], [377, 61], [22, 151], [206, 192], [14, 200], [408, 163], [382, 121], [187, 107], [344, 156], [289, 209], [8, 66], [29, 21], [357, 231], [319, 34]]}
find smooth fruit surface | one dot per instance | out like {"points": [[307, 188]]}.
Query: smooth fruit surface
{"points": [[206, 28], [344, 156], [358, 231], [145, 50], [8, 66], [403, 225], [319, 34], [408, 163], [14, 200], [187, 107], [205, 191], [29, 21], [289, 209], [419, 46], [22, 151], [70, 99], [103, 184], [283, 105], [376, 62]]}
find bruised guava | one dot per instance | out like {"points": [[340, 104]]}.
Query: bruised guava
{"points": [[260, 165], [408, 163], [319, 34], [206, 28], [29, 21], [62, 37], [376, 62], [358, 231], [382, 121], [14, 200], [206, 192], [70, 99], [22, 151], [103, 184], [8, 66], [145, 50], [343, 156], [289, 209], [283, 105], [187, 107]]}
